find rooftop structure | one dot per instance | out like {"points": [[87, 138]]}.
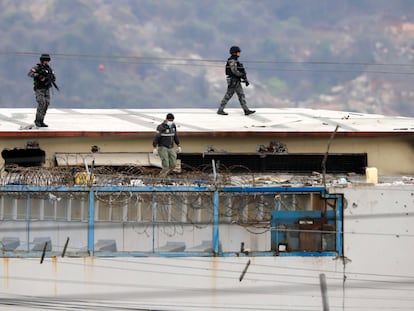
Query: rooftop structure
{"points": [[123, 137], [255, 223]]}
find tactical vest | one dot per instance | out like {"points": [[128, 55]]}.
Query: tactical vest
{"points": [[44, 71], [240, 68]]}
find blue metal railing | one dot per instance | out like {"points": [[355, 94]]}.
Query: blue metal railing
{"points": [[214, 190]]}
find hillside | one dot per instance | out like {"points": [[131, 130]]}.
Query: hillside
{"points": [[346, 55]]}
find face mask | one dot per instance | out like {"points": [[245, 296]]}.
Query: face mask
{"points": [[169, 123]]}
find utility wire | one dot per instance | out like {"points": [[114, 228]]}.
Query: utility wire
{"points": [[266, 62], [295, 288], [214, 63]]}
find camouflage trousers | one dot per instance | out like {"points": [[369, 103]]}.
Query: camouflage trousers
{"points": [[168, 158], [43, 101], [234, 86]]}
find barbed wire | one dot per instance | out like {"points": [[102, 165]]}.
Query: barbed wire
{"points": [[126, 176], [244, 209]]}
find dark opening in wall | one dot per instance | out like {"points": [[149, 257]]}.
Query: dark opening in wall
{"points": [[289, 163], [32, 155]]}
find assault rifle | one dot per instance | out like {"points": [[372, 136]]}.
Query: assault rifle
{"points": [[55, 85], [244, 77], [49, 77]]}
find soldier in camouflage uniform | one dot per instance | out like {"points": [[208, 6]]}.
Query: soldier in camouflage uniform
{"points": [[43, 79], [236, 74]]}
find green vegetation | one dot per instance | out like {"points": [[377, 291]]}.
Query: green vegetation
{"points": [[171, 52]]}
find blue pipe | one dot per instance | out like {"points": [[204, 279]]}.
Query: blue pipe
{"points": [[28, 219], [91, 222], [216, 238]]}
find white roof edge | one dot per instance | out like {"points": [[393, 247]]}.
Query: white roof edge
{"points": [[204, 120]]}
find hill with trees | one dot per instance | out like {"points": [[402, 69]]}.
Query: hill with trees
{"points": [[343, 55]]}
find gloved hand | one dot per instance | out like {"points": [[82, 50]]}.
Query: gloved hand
{"points": [[246, 82], [179, 149], [155, 151]]}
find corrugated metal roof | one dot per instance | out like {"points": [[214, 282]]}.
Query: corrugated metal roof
{"points": [[290, 121]]}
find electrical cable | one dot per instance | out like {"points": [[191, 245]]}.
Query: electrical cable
{"points": [[171, 61]]}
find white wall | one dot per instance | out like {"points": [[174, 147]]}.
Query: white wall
{"points": [[379, 239], [378, 273]]}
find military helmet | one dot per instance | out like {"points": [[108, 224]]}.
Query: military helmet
{"points": [[44, 57], [234, 50], [170, 116]]}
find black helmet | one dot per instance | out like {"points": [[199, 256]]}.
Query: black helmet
{"points": [[234, 50], [170, 116], [44, 57]]}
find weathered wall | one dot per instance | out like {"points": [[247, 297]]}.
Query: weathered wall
{"points": [[391, 155], [378, 272], [378, 238]]}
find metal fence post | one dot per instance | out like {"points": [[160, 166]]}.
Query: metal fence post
{"points": [[91, 222], [216, 238]]}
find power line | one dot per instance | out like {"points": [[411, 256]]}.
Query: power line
{"points": [[290, 288], [115, 56], [215, 63]]}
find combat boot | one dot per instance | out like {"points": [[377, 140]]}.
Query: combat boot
{"points": [[248, 112], [40, 123], [222, 112]]}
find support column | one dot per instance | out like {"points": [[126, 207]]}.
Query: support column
{"points": [[216, 238], [91, 223]]}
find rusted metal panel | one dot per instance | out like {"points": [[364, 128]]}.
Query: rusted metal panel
{"points": [[310, 237]]}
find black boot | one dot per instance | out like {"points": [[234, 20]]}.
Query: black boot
{"points": [[247, 112], [40, 123], [222, 112]]}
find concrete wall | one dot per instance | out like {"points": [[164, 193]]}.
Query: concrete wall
{"points": [[376, 272], [391, 155], [378, 238]]}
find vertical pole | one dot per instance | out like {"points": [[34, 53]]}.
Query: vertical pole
{"points": [[339, 226], [69, 210], [229, 211], [184, 210], [125, 211], [169, 209], [2, 207], [324, 292], [28, 220], [139, 210], [91, 222], [153, 219], [216, 222], [213, 164]]}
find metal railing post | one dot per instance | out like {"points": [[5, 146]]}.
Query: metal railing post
{"points": [[91, 222], [216, 238]]}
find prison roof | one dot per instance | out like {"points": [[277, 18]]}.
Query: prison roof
{"points": [[192, 121]]}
